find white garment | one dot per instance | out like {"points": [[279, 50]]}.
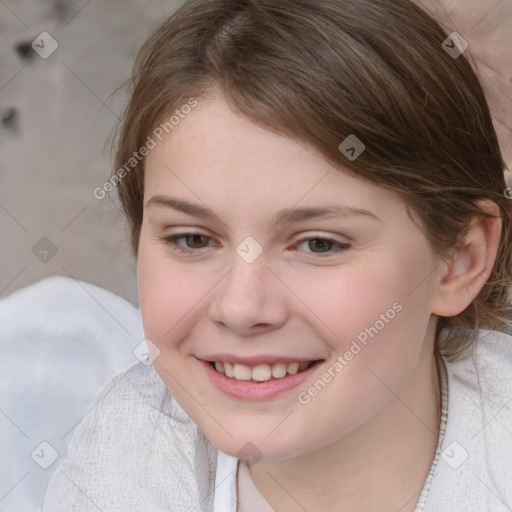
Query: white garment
{"points": [[61, 342], [138, 450]]}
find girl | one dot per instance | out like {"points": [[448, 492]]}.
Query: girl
{"points": [[316, 199]]}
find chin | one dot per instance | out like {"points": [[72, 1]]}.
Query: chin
{"points": [[255, 448]]}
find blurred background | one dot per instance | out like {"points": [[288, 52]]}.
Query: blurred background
{"points": [[63, 71], [59, 113]]}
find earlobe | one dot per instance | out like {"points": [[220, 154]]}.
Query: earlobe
{"points": [[470, 267]]}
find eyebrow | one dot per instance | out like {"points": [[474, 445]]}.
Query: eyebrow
{"points": [[286, 216]]}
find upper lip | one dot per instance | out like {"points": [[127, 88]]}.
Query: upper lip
{"points": [[256, 360]]}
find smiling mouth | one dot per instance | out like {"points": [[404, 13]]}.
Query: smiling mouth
{"points": [[260, 372]]}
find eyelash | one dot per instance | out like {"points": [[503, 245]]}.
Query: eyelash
{"points": [[173, 242]]}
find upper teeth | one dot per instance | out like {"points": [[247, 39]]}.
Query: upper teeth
{"points": [[261, 372]]}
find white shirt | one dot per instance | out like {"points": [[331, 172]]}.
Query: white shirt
{"points": [[138, 450]]}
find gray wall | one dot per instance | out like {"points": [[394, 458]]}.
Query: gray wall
{"points": [[58, 117]]}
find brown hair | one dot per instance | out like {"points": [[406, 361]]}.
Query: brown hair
{"points": [[320, 71]]}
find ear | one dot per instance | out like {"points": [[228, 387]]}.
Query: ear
{"points": [[466, 273]]}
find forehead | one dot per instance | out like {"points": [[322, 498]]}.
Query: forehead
{"points": [[225, 161], [213, 138]]}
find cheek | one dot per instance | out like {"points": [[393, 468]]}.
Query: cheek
{"points": [[168, 296], [373, 316], [347, 302]]}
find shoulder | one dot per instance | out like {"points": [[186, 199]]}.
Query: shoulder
{"points": [[487, 369], [475, 457], [480, 389], [494, 348], [135, 449]]}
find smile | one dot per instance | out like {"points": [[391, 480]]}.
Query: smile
{"points": [[261, 372], [263, 381]]}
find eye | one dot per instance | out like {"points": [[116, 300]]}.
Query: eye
{"points": [[194, 239], [324, 245]]}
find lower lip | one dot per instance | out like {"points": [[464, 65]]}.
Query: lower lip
{"points": [[256, 390]]}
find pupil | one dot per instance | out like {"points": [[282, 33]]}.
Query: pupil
{"points": [[195, 239], [321, 242]]}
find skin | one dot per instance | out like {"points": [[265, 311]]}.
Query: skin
{"points": [[367, 440]]}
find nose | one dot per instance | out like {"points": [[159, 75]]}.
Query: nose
{"points": [[250, 300]]}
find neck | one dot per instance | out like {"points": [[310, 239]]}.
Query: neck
{"points": [[380, 466]]}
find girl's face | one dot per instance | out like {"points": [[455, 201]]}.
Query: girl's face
{"points": [[256, 252]]}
